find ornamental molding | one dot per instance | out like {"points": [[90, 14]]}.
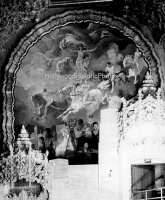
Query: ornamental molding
{"points": [[143, 117], [30, 168], [59, 20]]}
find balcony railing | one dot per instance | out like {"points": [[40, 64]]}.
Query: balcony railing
{"points": [[152, 194]]}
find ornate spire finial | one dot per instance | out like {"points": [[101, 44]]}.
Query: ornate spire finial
{"points": [[23, 137], [23, 129], [148, 84]]}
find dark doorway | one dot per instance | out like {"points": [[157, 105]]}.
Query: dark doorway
{"points": [[147, 177]]}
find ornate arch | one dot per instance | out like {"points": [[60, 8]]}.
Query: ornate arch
{"points": [[50, 24]]}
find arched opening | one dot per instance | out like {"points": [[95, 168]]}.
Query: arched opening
{"points": [[81, 20]]}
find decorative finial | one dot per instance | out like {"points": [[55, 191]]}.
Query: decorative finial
{"points": [[23, 129], [23, 137], [148, 84]]}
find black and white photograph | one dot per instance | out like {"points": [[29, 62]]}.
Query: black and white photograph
{"points": [[82, 94]]}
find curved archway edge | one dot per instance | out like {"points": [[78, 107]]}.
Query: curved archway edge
{"points": [[51, 24]]}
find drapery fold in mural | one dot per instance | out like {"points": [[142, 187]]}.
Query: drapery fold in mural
{"points": [[73, 71]]}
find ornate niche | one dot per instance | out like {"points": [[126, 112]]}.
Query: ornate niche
{"points": [[50, 50]]}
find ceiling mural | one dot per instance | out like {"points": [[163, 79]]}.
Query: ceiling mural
{"points": [[73, 72]]}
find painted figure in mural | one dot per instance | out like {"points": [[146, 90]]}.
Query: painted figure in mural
{"points": [[62, 64], [37, 104], [111, 74], [131, 63], [84, 145], [95, 137], [113, 53], [66, 143], [114, 72], [80, 128], [95, 129], [44, 100], [71, 124], [49, 143], [70, 39], [93, 98], [82, 61], [48, 98], [90, 100], [41, 147], [76, 94]]}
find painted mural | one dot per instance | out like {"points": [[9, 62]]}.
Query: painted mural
{"points": [[72, 73]]}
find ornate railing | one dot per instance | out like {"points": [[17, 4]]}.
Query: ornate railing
{"points": [[152, 194], [30, 167]]}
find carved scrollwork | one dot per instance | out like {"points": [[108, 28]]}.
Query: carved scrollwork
{"points": [[23, 196], [27, 167], [17, 167], [143, 118], [20, 168]]}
